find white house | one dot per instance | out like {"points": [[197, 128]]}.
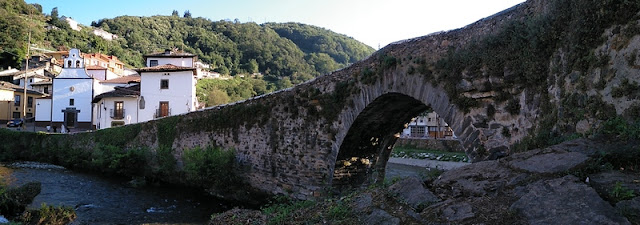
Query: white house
{"points": [[428, 125], [73, 93], [175, 58], [118, 107], [166, 90]]}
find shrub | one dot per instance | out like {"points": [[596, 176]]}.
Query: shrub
{"points": [[50, 215], [211, 166]]}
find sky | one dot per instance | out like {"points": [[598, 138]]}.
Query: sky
{"points": [[373, 22]]}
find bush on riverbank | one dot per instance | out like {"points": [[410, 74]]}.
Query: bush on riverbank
{"points": [[211, 167], [50, 215], [13, 201]]}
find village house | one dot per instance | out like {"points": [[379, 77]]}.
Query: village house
{"points": [[167, 85], [12, 100], [428, 125], [120, 105], [73, 91]]}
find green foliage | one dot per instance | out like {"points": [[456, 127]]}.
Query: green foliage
{"points": [[165, 161], [112, 159], [119, 136], [333, 103], [629, 89], [17, 20], [620, 128], [620, 192], [50, 215], [211, 166], [513, 106], [13, 201], [368, 76], [281, 208], [339, 211], [343, 50], [167, 130], [216, 92]]}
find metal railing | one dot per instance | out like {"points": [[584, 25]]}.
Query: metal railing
{"points": [[117, 114], [159, 113]]}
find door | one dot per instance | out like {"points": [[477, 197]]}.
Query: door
{"points": [[164, 109], [71, 117]]}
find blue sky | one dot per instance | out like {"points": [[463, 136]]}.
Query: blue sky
{"points": [[374, 22]]}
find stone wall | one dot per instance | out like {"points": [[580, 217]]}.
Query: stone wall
{"points": [[299, 140], [435, 144]]}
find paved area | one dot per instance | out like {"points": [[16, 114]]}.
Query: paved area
{"points": [[426, 163]]}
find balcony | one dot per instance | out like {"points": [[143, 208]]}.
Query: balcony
{"points": [[162, 113], [117, 114]]}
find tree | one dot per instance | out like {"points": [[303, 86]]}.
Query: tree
{"points": [[175, 13], [217, 97], [187, 14], [38, 7], [54, 15]]}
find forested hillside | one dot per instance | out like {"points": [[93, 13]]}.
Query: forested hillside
{"points": [[292, 51]]}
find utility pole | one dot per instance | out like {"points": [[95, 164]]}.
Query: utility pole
{"points": [[24, 96]]}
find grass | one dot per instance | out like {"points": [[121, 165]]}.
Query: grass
{"points": [[46, 214], [417, 153]]}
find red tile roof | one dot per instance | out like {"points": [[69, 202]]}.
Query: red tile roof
{"points": [[166, 68], [94, 67], [122, 80]]}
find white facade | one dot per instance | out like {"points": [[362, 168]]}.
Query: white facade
{"points": [[429, 125], [43, 109], [107, 115], [178, 61], [180, 95], [72, 93], [102, 74]]}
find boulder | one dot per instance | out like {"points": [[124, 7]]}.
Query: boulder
{"points": [[542, 161], [630, 209], [565, 200], [362, 202], [477, 179], [457, 212], [411, 191], [381, 217], [605, 183]]}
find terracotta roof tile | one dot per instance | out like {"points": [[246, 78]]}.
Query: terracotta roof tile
{"points": [[166, 68], [122, 80]]}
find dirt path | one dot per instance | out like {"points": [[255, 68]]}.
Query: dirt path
{"points": [[445, 165]]}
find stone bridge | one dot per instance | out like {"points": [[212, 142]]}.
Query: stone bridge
{"points": [[338, 130]]}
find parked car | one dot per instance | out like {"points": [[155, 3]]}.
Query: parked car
{"points": [[14, 123]]}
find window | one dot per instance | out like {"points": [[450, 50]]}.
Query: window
{"points": [[117, 123], [164, 84], [71, 101], [118, 110], [69, 64], [417, 131], [29, 101], [17, 100], [29, 115], [77, 63], [31, 80], [16, 115], [153, 62], [46, 90], [163, 110]]}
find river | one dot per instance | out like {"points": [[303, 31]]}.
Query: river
{"points": [[100, 200]]}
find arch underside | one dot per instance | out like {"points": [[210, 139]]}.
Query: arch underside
{"points": [[364, 152]]}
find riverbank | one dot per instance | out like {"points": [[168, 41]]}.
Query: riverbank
{"points": [[100, 200], [580, 181]]}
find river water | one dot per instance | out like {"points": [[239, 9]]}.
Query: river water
{"points": [[100, 200]]}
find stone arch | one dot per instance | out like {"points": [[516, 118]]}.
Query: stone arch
{"points": [[370, 139], [77, 63], [379, 113], [68, 63]]}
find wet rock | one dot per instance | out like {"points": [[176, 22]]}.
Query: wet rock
{"points": [[565, 201], [380, 217], [630, 209], [477, 179], [35, 165], [581, 145], [411, 191], [239, 216], [363, 202], [605, 183], [457, 212], [542, 161]]}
